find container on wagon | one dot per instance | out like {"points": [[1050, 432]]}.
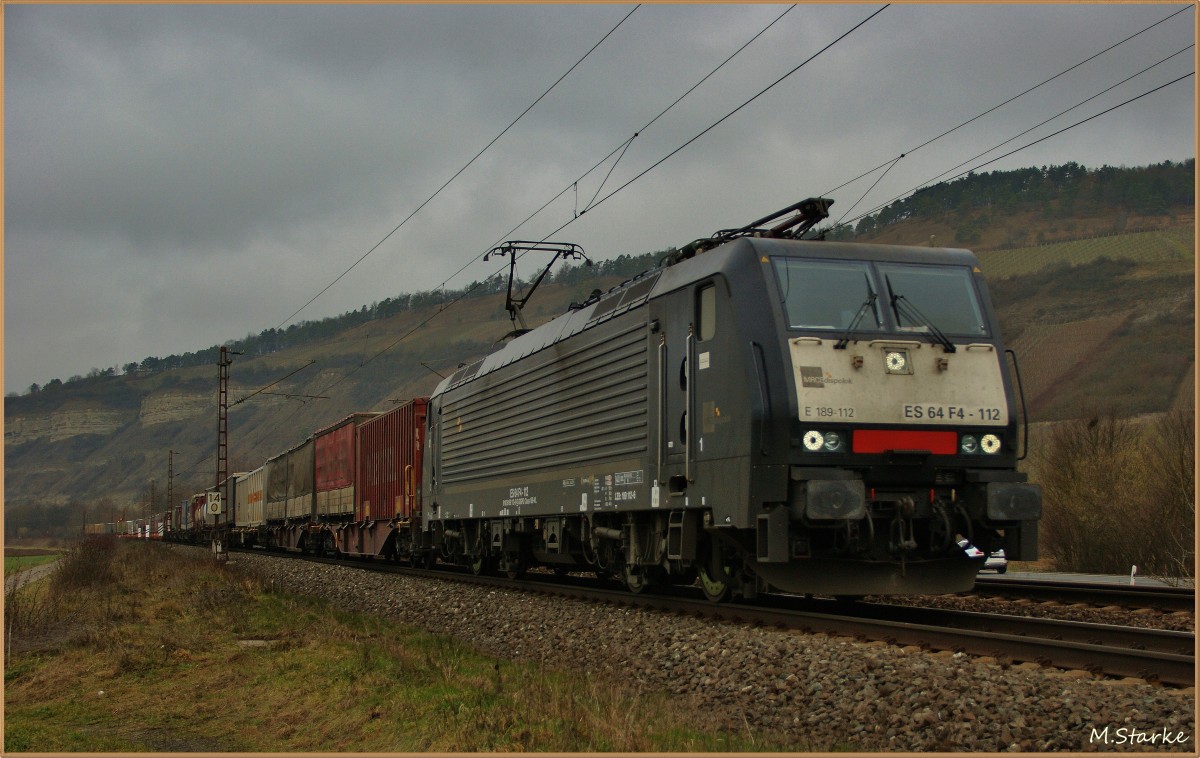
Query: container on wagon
{"points": [[300, 482], [249, 499], [275, 483], [334, 466], [196, 508], [390, 448]]}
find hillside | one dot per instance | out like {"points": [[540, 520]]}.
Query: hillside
{"points": [[1104, 322]]}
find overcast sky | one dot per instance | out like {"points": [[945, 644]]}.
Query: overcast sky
{"points": [[178, 176]]}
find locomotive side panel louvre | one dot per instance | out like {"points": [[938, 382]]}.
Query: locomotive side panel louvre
{"points": [[541, 413], [596, 399]]}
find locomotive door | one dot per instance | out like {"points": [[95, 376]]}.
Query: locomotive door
{"points": [[671, 378], [687, 323]]}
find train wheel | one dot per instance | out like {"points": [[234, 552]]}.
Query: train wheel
{"points": [[715, 584], [512, 565], [479, 565], [328, 546], [715, 573], [635, 580]]}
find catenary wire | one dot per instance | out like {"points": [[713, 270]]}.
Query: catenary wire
{"points": [[468, 291], [1031, 144], [724, 118], [623, 146], [928, 142], [620, 148], [1030, 129], [457, 173]]}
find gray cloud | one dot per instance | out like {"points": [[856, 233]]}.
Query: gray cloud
{"points": [[180, 175]]}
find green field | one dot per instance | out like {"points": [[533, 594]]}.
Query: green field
{"points": [[1173, 244], [15, 563]]}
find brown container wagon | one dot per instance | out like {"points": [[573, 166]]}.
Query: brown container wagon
{"points": [[388, 483], [334, 465], [196, 508]]}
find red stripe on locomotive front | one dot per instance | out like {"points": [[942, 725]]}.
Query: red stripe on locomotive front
{"points": [[883, 440]]}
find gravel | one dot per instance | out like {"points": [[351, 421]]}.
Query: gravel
{"points": [[814, 691]]}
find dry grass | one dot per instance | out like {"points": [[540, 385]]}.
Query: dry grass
{"points": [[173, 652]]}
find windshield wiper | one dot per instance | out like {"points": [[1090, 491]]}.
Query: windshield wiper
{"points": [[869, 303], [910, 313]]}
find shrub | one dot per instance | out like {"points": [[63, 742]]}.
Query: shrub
{"points": [[1119, 493]]}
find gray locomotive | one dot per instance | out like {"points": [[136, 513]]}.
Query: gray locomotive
{"points": [[760, 410]]}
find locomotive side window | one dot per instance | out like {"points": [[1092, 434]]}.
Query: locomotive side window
{"points": [[944, 295], [707, 298], [827, 294]]}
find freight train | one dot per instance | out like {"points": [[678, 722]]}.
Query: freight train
{"points": [[758, 411]]}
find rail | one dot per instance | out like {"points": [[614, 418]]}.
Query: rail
{"points": [[1165, 657]]}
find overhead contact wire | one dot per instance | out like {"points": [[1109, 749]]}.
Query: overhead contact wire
{"points": [[1031, 144], [1057, 115], [727, 116], [619, 148], [457, 173], [994, 108], [624, 145]]}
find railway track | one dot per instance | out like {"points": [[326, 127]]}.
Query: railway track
{"points": [[1164, 598], [1166, 657]]}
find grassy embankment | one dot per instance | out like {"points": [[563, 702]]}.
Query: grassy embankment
{"points": [[137, 646]]}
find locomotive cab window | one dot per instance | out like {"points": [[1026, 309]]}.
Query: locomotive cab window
{"points": [[707, 303], [942, 296], [820, 294]]}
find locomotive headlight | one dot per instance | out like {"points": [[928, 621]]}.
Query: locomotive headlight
{"points": [[827, 442], [990, 444], [895, 361], [968, 444]]}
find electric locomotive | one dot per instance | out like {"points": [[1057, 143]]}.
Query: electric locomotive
{"points": [[760, 410]]}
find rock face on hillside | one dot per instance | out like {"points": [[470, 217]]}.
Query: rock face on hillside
{"points": [[63, 424], [79, 420], [174, 405]]}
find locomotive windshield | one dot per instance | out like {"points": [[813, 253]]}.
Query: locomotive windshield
{"points": [[944, 295], [824, 294], [827, 294]]}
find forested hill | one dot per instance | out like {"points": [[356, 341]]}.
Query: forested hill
{"points": [[994, 210], [1106, 318], [1055, 193]]}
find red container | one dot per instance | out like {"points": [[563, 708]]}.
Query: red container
{"points": [[334, 464], [198, 505], [390, 447]]}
